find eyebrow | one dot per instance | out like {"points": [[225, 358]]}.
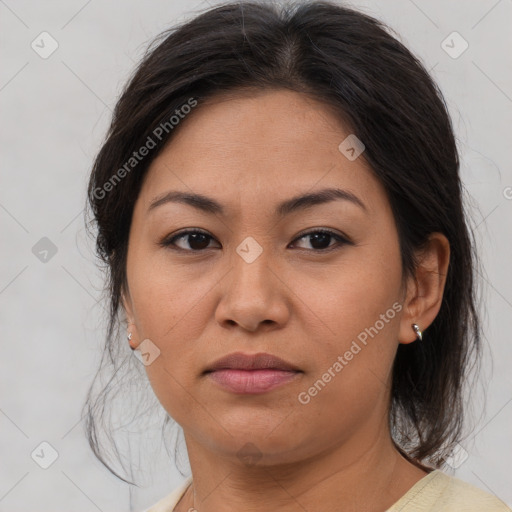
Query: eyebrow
{"points": [[301, 202]]}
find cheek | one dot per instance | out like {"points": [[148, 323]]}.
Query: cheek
{"points": [[353, 294], [360, 319], [349, 384], [171, 308], [166, 298]]}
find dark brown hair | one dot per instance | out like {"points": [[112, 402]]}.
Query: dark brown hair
{"points": [[352, 64]]}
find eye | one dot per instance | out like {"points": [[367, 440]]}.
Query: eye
{"points": [[196, 240], [320, 239]]}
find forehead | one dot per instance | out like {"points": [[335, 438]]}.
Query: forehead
{"points": [[264, 121], [262, 145]]}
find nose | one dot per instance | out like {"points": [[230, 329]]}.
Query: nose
{"points": [[253, 296]]}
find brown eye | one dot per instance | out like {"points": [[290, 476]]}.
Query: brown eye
{"points": [[196, 241], [320, 240]]}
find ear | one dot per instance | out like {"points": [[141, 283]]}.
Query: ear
{"points": [[425, 289], [131, 326], [126, 303]]}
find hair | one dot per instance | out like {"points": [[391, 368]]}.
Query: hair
{"points": [[351, 63]]}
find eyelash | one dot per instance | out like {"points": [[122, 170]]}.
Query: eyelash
{"points": [[170, 242]]}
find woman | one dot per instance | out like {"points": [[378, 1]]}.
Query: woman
{"points": [[279, 207]]}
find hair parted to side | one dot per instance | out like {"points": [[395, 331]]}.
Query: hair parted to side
{"points": [[351, 63]]}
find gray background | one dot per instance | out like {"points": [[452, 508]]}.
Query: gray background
{"points": [[55, 112]]}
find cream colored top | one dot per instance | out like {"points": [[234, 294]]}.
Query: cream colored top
{"points": [[435, 492]]}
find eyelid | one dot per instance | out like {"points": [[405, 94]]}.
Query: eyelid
{"points": [[168, 242], [329, 231], [340, 240]]}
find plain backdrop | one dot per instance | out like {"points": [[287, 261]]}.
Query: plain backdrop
{"points": [[55, 112]]}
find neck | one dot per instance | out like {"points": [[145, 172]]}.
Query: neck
{"points": [[361, 476]]}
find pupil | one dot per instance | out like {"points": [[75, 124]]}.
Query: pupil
{"points": [[322, 237], [194, 237]]}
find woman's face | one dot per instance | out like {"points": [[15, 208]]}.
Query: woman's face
{"points": [[261, 281]]}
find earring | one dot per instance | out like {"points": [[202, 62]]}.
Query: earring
{"points": [[129, 337], [417, 331]]}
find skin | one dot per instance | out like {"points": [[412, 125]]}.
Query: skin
{"points": [[249, 152]]}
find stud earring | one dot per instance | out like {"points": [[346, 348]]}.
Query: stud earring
{"points": [[419, 334], [129, 337]]}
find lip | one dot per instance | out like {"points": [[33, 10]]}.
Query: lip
{"points": [[260, 361], [251, 373], [251, 381]]}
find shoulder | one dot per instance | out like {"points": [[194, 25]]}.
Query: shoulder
{"points": [[440, 492], [167, 503]]}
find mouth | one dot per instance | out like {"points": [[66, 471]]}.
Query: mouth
{"points": [[251, 374]]}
